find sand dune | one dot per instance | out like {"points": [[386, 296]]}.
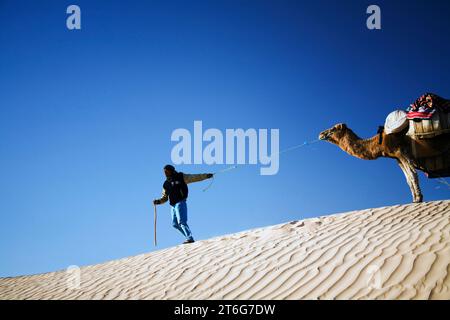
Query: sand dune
{"points": [[398, 252]]}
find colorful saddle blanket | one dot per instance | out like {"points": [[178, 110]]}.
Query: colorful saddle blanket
{"points": [[426, 106]]}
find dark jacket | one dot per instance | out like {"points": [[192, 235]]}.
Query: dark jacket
{"points": [[175, 188]]}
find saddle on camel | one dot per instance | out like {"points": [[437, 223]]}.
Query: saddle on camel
{"points": [[427, 123]]}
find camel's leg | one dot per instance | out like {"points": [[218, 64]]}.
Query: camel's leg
{"points": [[415, 181], [411, 178]]}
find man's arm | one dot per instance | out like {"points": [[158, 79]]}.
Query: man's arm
{"points": [[190, 178], [163, 199]]}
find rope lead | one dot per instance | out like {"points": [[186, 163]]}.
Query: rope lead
{"points": [[280, 152]]}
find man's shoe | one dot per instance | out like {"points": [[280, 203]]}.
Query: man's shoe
{"points": [[189, 241]]}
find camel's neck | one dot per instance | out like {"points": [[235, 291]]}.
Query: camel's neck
{"points": [[367, 149]]}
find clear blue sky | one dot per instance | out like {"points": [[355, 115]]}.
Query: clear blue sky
{"points": [[86, 116]]}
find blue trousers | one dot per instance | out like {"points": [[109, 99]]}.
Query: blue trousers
{"points": [[179, 219]]}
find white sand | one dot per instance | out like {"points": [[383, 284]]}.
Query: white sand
{"points": [[399, 252]]}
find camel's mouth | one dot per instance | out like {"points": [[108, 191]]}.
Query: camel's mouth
{"points": [[324, 135]]}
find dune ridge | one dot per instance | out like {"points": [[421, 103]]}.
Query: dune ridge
{"points": [[396, 252]]}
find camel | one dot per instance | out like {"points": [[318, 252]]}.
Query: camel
{"points": [[396, 146]]}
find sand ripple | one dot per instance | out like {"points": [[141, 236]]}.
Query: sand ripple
{"points": [[399, 252]]}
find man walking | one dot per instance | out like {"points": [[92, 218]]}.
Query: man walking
{"points": [[175, 190]]}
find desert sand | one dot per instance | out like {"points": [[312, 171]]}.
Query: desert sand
{"points": [[397, 252]]}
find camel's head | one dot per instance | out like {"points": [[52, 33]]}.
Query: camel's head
{"points": [[334, 134]]}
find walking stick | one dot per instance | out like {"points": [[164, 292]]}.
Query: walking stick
{"points": [[154, 225]]}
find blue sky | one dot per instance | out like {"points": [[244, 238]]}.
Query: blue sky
{"points": [[86, 116]]}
